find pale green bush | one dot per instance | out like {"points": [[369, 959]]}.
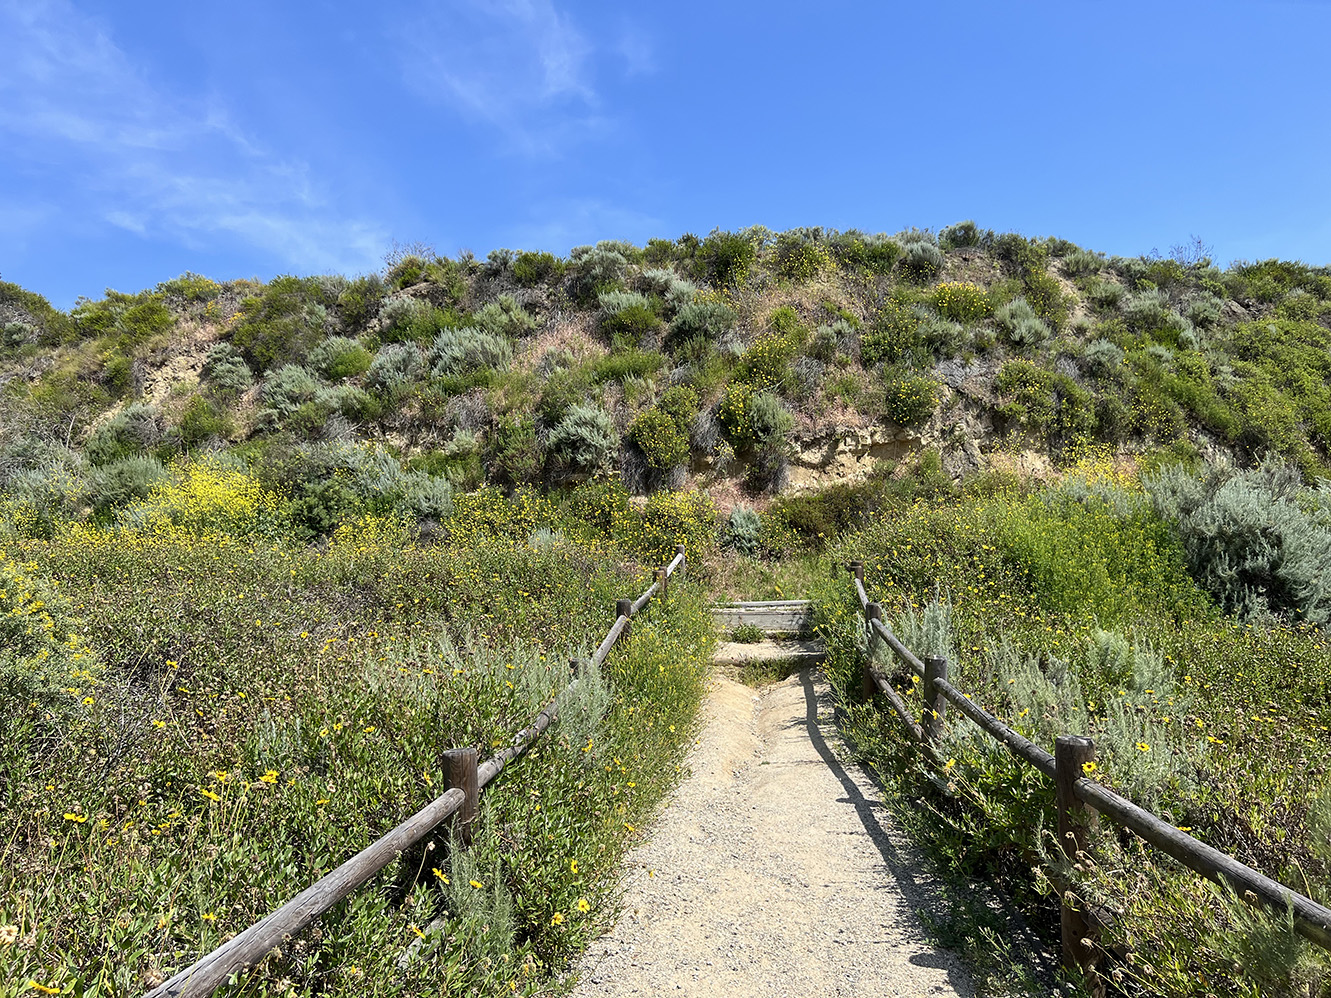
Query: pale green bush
{"points": [[133, 430], [743, 532], [1256, 540], [457, 351], [225, 370], [395, 365], [585, 440]]}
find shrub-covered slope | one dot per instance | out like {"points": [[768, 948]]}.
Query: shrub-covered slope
{"points": [[709, 357]]}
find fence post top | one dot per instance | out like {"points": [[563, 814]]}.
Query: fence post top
{"points": [[874, 611], [1074, 741], [679, 549]]}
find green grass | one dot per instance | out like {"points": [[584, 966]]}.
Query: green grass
{"points": [[1069, 609], [249, 713]]}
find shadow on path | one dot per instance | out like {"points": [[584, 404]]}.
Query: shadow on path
{"points": [[875, 817]]}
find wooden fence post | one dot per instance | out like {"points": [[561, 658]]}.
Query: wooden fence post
{"points": [[935, 706], [872, 612], [664, 580], [856, 568], [624, 608], [460, 771], [1076, 821], [679, 550]]}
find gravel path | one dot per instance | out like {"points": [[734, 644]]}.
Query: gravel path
{"points": [[774, 871]]}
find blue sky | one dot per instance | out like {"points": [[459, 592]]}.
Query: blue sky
{"points": [[139, 140]]}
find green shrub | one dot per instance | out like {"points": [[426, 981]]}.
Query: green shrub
{"points": [[531, 269], [873, 254], [360, 301], [961, 301], [133, 430], [593, 270], [743, 531], [31, 309], [960, 236], [409, 270], [1046, 297], [798, 258], [1106, 295], [1253, 538], [120, 482], [747, 634], [403, 317], [941, 337], [459, 351], [1046, 404], [201, 422], [1082, 263], [585, 440], [894, 334], [287, 388], [627, 319], [1104, 358], [909, 398], [921, 261], [395, 366], [1020, 255], [226, 372], [752, 420], [681, 403], [660, 439], [513, 456], [505, 318], [724, 258], [281, 323], [339, 357], [674, 290], [766, 363], [1205, 310], [706, 320], [1020, 326]]}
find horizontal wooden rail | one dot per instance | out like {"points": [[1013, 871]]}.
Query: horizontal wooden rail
{"points": [[899, 705], [1018, 745], [645, 598], [898, 649], [611, 637], [1311, 919], [253, 945]]}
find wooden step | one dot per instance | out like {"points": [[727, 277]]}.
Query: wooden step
{"points": [[773, 616]]}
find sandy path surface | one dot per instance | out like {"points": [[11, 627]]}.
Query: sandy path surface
{"points": [[773, 871]]}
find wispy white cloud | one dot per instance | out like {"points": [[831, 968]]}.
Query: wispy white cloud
{"points": [[76, 110], [520, 66]]}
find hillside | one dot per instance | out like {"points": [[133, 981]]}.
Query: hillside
{"points": [[746, 363]]}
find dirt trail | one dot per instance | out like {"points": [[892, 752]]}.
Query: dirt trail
{"points": [[774, 870]]}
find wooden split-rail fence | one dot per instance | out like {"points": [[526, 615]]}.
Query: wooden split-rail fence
{"points": [[1079, 799], [466, 778]]}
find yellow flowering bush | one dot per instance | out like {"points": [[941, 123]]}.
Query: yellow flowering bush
{"points": [[206, 496], [961, 301]]}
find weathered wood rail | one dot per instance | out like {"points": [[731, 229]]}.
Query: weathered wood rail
{"points": [[466, 780], [1079, 799], [790, 616]]}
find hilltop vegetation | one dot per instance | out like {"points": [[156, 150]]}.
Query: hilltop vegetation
{"points": [[692, 361]]}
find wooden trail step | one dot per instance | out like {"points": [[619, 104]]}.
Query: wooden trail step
{"points": [[789, 616]]}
